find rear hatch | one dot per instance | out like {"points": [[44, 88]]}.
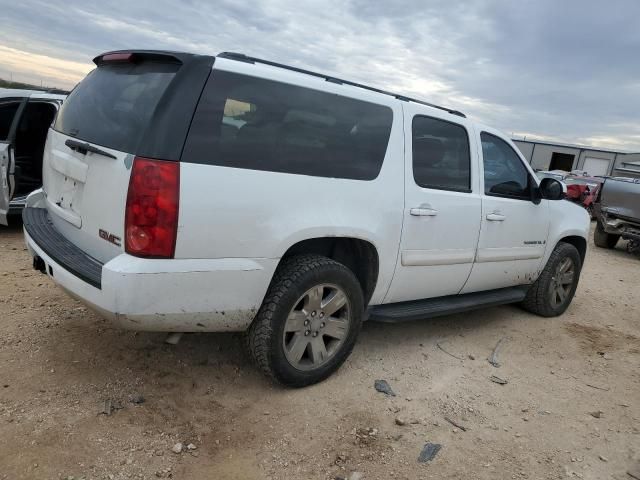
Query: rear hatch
{"points": [[134, 104]]}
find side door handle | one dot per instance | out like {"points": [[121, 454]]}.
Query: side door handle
{"points": [[496, 217], [423, 211]]}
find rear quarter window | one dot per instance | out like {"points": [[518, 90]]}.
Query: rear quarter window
{"points": [[253, 123], [114, 104]]}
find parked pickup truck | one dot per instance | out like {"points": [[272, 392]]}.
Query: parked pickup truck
{"points": [[618, 213], [189, 193]]}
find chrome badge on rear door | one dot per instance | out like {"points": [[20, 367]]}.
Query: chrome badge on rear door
{"points": [[109, 237]]}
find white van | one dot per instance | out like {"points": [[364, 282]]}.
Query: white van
{"points": [[187, 193]]}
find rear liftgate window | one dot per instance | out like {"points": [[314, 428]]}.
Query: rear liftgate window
{"points": [[252, 123], [112, 106]]}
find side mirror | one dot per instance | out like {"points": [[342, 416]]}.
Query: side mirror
{"points": [[551, 189]]}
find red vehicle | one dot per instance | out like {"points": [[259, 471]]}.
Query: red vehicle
{"points": [[581, 189]]}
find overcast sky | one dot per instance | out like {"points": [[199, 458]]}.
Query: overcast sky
{"points": [[565, 70]]}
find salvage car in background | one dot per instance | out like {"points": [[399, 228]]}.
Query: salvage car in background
{"points": [[555, 174], [581, 188], [583, 191], [25, 118], [618, 213]]}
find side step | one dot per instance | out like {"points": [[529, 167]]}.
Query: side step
{"points": [[435, 307]]}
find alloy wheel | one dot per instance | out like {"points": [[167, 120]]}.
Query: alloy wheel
{"points": [[562, 282], [316, 327]]}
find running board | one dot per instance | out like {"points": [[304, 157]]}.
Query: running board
{"points": [[435, 307]]}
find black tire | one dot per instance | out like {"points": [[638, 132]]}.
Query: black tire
{"points": [[603, 239], [295, 276], [538, 299]]}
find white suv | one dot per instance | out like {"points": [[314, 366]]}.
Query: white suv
{"points": [[187, 193]]}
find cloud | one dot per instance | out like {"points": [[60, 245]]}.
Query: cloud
{"points": [[564, 70], [50, 70]]}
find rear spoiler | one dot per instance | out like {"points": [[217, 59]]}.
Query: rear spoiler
{"points": [[138, 56]]}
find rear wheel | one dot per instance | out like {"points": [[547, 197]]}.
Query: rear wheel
{"points": [[309, 321], [552, 293], [603, 239]]}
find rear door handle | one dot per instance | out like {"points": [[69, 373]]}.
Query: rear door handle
{"points": [[496, 217], [423, 211]]}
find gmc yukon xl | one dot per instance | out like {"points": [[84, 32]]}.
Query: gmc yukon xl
{"points": [[188, 193]]}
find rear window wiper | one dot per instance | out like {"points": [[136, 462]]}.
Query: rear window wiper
{"points": [[83, 148]]}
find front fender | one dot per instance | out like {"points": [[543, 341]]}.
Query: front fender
{"points": [[567, 220]]}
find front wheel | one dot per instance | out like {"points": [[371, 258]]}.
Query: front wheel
{"points": [[309, 321], [553, 291]]}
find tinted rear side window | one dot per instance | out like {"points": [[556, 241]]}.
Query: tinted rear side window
{"points": [[441, 155], [258, 124], [112, 106]]}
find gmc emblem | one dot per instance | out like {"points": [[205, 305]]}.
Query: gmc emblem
{"points": [[109, 237]]}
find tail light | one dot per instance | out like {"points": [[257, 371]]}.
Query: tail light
{"points": [[151, 216]]}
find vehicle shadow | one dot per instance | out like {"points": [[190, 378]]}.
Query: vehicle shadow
{"points": [[94, 352], [619, 251]]}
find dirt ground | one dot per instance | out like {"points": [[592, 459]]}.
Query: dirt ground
{"points": [[570, 409]]}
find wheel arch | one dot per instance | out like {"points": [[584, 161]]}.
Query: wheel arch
{"points": [[360, 256], [579, 242], [570, 223]]}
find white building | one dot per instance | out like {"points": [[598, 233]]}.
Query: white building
{"points": [[595, 161]]}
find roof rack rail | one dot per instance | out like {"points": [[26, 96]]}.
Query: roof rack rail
{"points": [[244, 58]]}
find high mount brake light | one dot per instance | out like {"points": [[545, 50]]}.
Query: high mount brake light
{"points": [[136, 57], [117, 57], [151, 215]]}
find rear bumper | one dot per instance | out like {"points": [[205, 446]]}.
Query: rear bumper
{"points": [[626, 228], [177, 295], [44, 234]]}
